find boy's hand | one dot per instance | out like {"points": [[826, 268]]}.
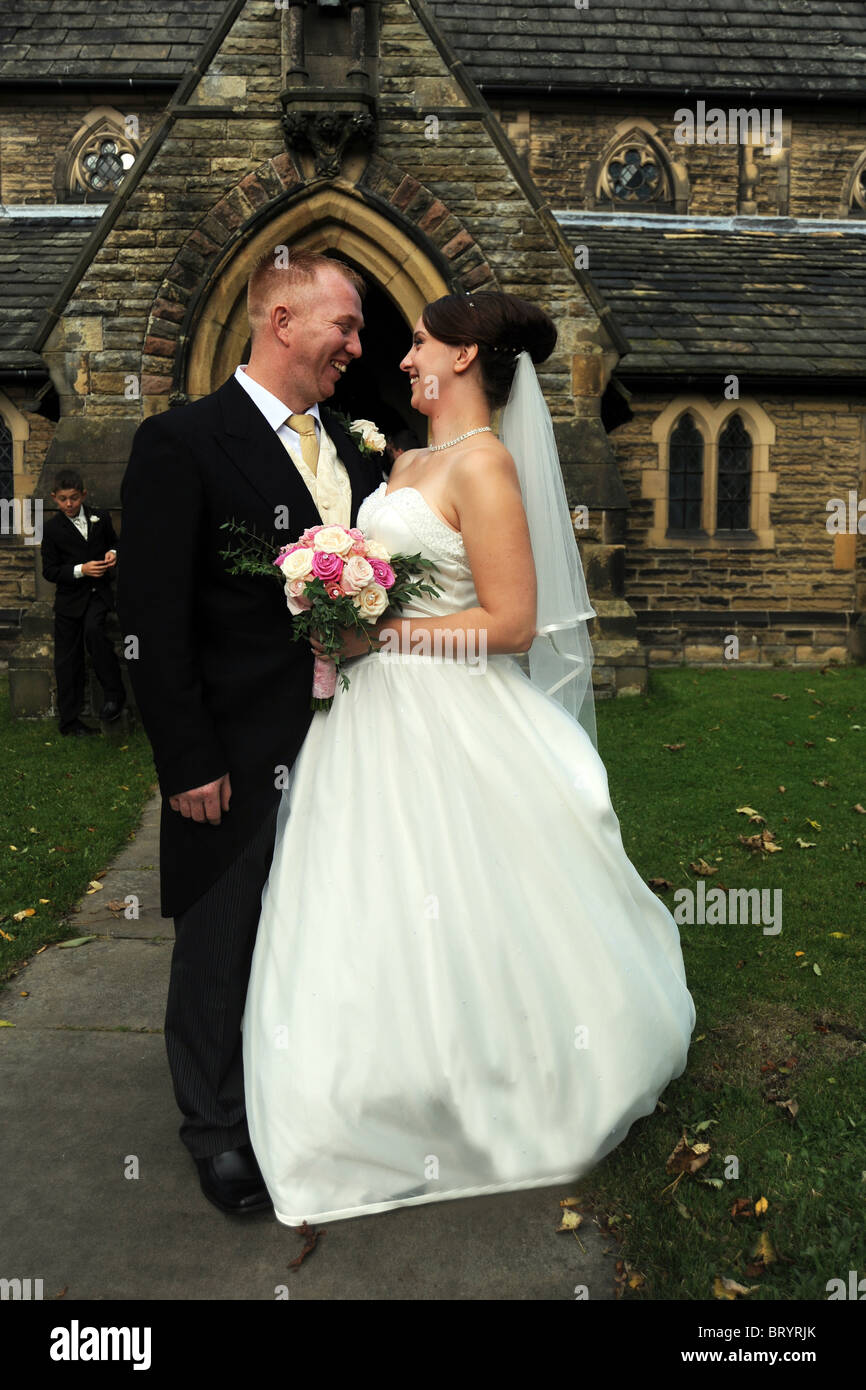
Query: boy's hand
{"points": [[110, 559], [95, 569]]}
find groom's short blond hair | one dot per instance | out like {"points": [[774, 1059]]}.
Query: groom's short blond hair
{"points": [[278, 274]]}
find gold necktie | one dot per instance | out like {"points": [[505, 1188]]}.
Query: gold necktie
{"points": [[305, 426]]}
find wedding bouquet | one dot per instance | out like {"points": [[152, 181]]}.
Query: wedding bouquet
{"points": [[334, 578]]}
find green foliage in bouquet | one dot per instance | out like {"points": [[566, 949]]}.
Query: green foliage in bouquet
{"points": [[328, 616]]}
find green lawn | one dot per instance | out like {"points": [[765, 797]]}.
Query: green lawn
{"points": [[69, 805], [780, 1017]]}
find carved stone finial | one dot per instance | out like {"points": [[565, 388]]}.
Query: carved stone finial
{"points": [[327, 133]]}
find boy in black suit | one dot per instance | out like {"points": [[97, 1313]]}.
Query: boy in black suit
{"points": [[79, 551]]}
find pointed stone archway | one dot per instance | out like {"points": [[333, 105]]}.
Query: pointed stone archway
{"points": [[331, 219]]}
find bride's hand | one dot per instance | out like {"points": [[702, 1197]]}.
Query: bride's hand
{"points": [[353, 643]]}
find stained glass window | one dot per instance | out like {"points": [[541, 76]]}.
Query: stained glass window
{"points": [[634, 176], [735, 474], [686, 476]]}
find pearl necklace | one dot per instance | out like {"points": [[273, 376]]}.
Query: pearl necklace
{"points": [[434, 448]]}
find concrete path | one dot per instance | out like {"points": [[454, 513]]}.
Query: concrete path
{"points": [[86, 1098]]}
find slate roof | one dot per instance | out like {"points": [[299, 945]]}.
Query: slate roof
{"points": [[35, 256], [79, 38], [797, 46], [758, 302]]}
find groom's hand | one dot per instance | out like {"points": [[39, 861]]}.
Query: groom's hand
{"points": [[204, 803]]}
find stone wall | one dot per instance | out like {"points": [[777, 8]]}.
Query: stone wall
{"points": [[819, 454], [560, 140], [36, 130]]}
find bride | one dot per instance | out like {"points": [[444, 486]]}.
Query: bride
{"points": [[461, 984]]}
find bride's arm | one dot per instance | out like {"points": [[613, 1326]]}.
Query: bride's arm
{"points": [[485, 493]]}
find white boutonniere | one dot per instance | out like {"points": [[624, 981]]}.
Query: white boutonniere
{"points": [[366, 435], [93, 518]]}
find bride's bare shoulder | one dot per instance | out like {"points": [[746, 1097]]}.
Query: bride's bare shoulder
{"points": [[401, 463], [486, 464]]}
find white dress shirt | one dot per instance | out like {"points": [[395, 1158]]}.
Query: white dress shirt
{"points": [[79, 521], [330, 486]]}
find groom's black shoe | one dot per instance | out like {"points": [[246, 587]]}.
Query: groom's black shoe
{"points": [[233, 1182]]}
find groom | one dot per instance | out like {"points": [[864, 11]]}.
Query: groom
{"points": [[222, 688]]}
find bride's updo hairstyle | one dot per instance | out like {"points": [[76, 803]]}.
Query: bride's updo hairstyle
{"points": [[502, 325]]}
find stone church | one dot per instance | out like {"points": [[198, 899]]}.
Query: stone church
{"points": [[683, 188]]}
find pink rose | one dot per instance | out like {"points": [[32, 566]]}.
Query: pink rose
{"points": [[356, 534], [295, 597], [383, 573], [359, 548], [327, 566], [309, 535], [334, 590]]}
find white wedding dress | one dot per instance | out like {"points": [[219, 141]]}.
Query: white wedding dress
{"points": [[461, 984]]}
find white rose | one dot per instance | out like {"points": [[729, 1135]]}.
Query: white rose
{"points": [[377, 550], [298, 565], [333, 539], [372, 601], [371, 435], [357, 573]]}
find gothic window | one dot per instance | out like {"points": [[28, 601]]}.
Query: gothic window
{"points": [[735, 476], [856, 200], [634, 173], [686, 476], [711, 481], [634, 176], [7, 474], [99, 156]]}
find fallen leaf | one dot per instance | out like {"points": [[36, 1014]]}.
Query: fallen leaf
{"points": [[659, 885], [805, 844], [311, 1238], [790, 1106], [859, 808], [77, 941], [742, 1207], [687, 1158], [5, 935], [702, 868], [781, 697], [728, 1288], [752, 814], [816, 967], [25, 912], [839, 935], [116, 905], [4, 1023], [761, 1206], [673, 747], [570, 1221], [763, 841], [95, 887]]}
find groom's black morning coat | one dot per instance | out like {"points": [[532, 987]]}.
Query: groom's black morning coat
{"points": [[220, 684]]}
